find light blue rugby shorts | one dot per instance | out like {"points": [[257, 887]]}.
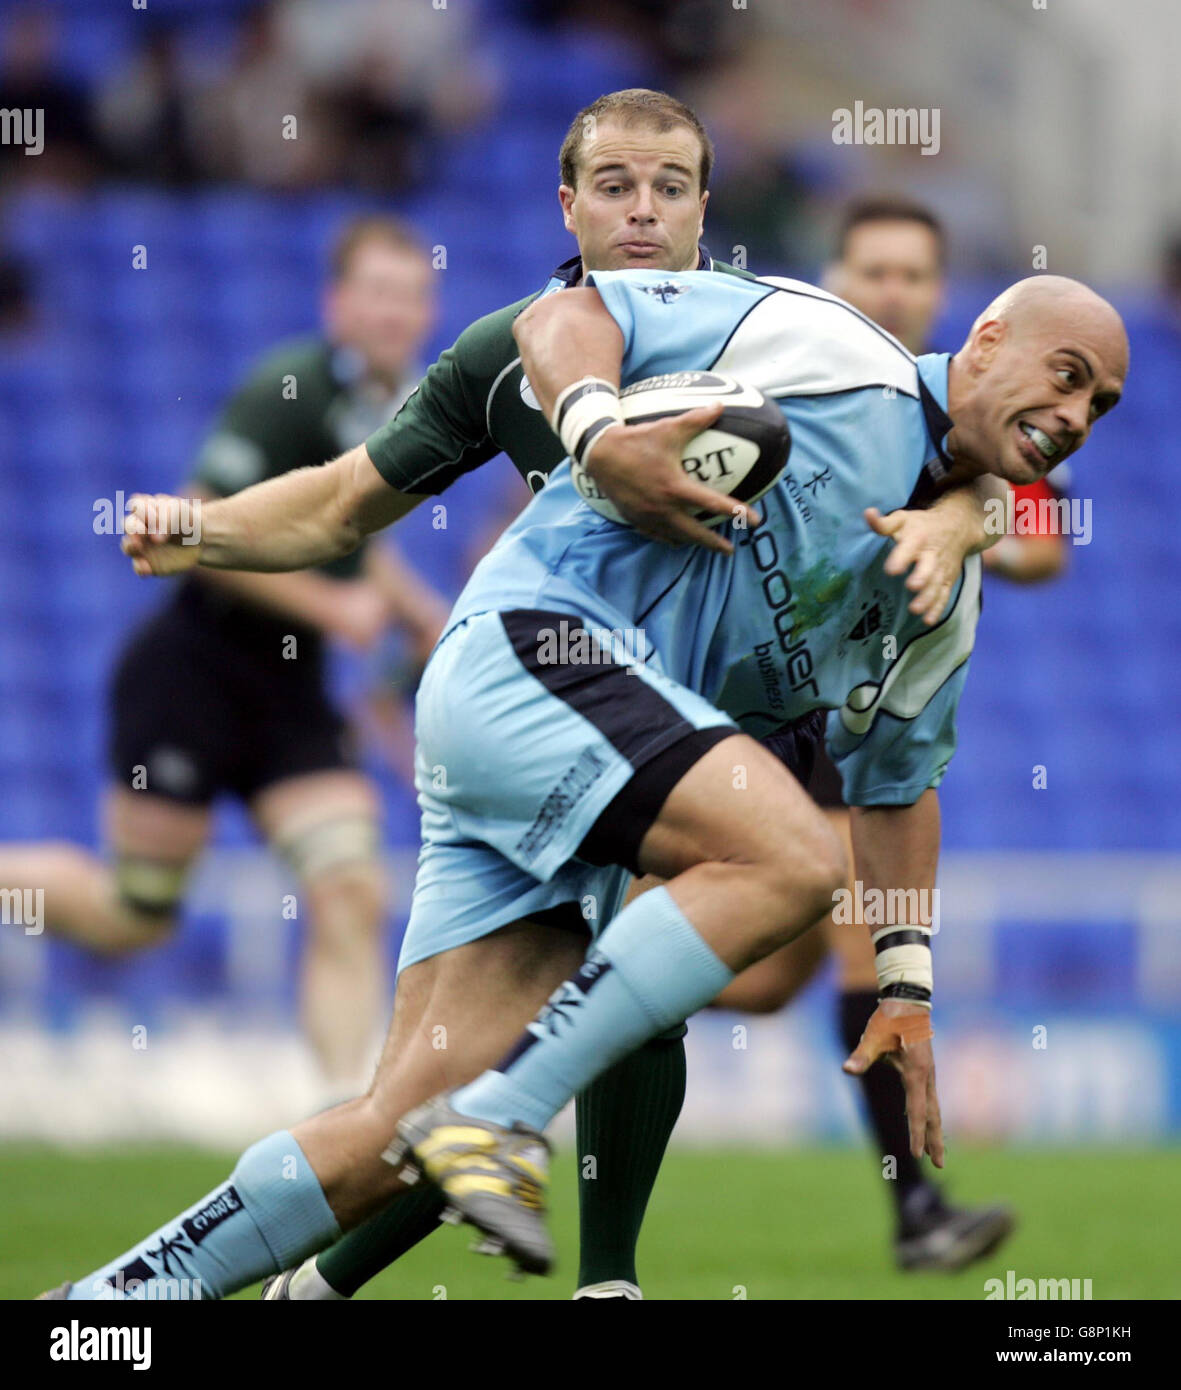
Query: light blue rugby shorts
{"points": [[521, 744]]}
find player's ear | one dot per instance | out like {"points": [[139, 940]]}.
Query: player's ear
{"points": [[566, 198], [701, 218], [986, 340], [831, 278]]}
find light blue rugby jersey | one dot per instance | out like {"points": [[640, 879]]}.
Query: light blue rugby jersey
{"points": [[802, 616]]}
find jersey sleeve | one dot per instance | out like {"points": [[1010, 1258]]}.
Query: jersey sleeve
{"points": [[674, 322], [893, 739], [442, 430]]}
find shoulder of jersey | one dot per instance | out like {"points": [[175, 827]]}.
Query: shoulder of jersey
{"points": [[483, 345], [801, 340]]}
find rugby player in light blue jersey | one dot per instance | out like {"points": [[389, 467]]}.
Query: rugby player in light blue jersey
{"points": [[554, 761], [546, 772]]}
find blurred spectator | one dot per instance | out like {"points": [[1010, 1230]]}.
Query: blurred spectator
{"points": [[683, 36], [348, 93], [257, 122], [30, 80], [144, 117], [388, 75], [763, 201]]}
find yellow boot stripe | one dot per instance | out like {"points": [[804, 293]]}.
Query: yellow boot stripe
{"points": [[476, 1162], [447, 1136], [465, 1184]]}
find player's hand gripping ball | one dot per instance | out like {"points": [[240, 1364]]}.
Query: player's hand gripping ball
{"points": [[741, 455]]}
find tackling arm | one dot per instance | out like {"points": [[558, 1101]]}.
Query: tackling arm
{"points": [[295, 521]]}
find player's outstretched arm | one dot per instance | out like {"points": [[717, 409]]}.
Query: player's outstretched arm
{"points": [[565, 338], [896, 851], [292, 522], [933, 544]]}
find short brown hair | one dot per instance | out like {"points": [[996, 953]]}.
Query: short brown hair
{"points": [[390, 231], [889, 208], [634, 106]]}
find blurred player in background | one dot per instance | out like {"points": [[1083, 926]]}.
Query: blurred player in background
{"points": [[224, 689], [889, 263]]}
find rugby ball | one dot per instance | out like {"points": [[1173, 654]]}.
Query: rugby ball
{"points": [[741, 455]]}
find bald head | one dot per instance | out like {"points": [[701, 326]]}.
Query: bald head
{"points": [[1042, 363], [1044, 300]]}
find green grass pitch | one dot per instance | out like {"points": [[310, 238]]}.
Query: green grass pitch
{"points": [[722, 1225]]}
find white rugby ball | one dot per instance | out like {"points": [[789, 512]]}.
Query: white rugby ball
{"points": [[741, 455]]}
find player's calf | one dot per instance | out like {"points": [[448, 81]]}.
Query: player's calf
{"points": [[343, 984]]}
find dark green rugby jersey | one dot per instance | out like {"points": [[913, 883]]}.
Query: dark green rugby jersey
{"points": [[475, 403], [305, 403]]}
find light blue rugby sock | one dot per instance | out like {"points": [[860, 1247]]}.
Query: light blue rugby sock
{"points": [[270, 1214], [649, 970]]}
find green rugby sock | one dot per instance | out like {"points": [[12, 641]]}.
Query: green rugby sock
{"points": [[624, 1120], [380, 1240]]}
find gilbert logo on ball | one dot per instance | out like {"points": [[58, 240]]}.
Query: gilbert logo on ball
{"points": [[741, 455]]}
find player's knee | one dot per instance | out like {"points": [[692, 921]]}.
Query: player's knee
{"points": [[144, 907], [348, 902], [339, 861], [828, 868], [807, 879]]}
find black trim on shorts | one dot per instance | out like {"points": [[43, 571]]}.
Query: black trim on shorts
{"points": [[633, 717], [564, 916], [796, 745], [622, 824], [640, 724], [824, 786]]}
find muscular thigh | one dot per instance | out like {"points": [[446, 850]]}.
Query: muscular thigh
{"points": [[736, 804]]}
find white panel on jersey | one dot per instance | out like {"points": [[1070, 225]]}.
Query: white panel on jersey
{"points": [[923, 666], [804, 341]]}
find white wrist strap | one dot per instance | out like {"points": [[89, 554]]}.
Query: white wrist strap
{"points": [[903, 959], [582, 412]]}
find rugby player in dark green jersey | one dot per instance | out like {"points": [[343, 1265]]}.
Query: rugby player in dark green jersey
{"points": [[635, 167], [233, 694]]}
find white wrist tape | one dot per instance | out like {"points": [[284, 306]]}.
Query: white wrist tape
{"points": [[903, 959], [582, 412]]}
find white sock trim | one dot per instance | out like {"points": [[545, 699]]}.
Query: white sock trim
{"points": [[611, 1288], [309, 1285]]}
